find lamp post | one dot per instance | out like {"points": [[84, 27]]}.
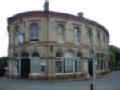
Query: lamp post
{"points": [[91, 68], [46, 10]]}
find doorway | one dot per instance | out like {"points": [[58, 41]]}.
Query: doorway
{"points": [[25, 67]]}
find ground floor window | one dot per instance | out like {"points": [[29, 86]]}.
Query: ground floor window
{"points": [[15, 66], [42, 68], [68, 65], [35, 65], [78, 65], [58, 66], [98, 64]]}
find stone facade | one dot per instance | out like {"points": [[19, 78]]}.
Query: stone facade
{"points": [[49, 44]]}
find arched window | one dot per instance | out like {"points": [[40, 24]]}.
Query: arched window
{"points": [[77, 35], [24, 54], [34, 32], [35, 54], [59, 54]]}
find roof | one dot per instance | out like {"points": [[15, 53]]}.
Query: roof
{"points": [[56, 14]]}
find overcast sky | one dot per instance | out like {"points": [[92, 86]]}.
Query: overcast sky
{"points": [[105, 12]]}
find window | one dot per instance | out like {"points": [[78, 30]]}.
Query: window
{"points": [[58, 62], [15, 54], [20, 38], [68, 62], [24, 54], [35, 65], [77, 35], [99, 38], [79, 54], [61, 29], [15, 66], [90, 38], [59, 54], [61, 32], [17, 31], [34, 32], [35, 54], [78, 65], [104, 39], [68, 65], [42, 68], [58, 66]]}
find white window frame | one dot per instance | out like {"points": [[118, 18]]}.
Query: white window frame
{"points": [[59, 59]]}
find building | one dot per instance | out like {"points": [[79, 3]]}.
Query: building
{"points": [[47, 44]]}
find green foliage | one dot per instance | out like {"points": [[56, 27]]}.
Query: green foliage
{"points": [[114, 56], [3, 62]]}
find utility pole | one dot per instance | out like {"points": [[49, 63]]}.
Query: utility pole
{"points": [[91, 68], [46, 10], [91, 59]]}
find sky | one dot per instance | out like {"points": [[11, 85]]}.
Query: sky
{"points": [[105, 12]]}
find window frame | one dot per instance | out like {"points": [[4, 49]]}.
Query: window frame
{"points": [[90, 37], [77, 35], [59, 66], [78, 59], [69, 64], [34, 31]]}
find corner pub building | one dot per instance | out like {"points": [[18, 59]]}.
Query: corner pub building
{"points": [[47, 44]]}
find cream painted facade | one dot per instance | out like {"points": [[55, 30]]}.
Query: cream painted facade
{"points": [[57, 44]]}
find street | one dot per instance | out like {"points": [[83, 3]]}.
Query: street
{"points": [[110, 81]]}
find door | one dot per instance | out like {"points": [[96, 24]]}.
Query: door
{"points": [[25, 67]]}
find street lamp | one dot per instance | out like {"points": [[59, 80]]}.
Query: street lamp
{"points": [[91, 67]]}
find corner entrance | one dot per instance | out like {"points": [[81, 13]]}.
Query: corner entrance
{"points": [[25, 67]]}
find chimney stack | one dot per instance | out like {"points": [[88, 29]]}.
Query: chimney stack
{"points": [[81, 14], [46, 6]]}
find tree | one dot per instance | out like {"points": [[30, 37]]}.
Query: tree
{"points": [[115, 57], [3, 64]]}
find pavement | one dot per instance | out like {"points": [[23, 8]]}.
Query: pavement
{"points": [[110, 81]]}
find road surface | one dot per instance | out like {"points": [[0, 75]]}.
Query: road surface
{"points": [[110, 81]]}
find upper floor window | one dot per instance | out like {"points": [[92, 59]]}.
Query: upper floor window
{"points": [[90, 38], [77, 35], [61, 29], [104, 39], [17, 29], [60, 33], [19, 36], [99, 38], [34, 32]]}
